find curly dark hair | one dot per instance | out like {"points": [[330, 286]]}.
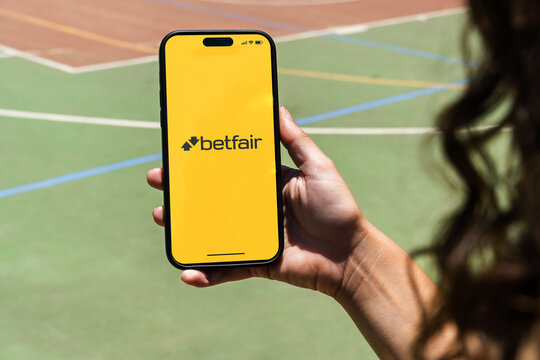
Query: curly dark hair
{"points": [[488, 252]]}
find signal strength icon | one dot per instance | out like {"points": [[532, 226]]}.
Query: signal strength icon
{"points": [[244, 43]]}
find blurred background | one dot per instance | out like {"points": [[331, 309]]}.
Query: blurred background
{"points": [[83, 272]]}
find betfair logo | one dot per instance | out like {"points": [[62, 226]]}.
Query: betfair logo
{"points": [[190, 143], [233, 143]]}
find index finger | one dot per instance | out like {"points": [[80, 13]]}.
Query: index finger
{"points": [[155, 178]]}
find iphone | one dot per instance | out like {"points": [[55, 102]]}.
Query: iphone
{"points": [[221, 153]]}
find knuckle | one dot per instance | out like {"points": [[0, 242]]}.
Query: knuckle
{"points": [[323, 163]]}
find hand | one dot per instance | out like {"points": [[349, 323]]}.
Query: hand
{"points": [[322, 222]]}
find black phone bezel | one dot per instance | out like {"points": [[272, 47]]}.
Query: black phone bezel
{"points": [[165, 150]]}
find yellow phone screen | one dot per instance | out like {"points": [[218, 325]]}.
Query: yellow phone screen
{"points": [[220, 152]]}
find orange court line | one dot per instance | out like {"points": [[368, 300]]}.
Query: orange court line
{"points": [[77, 32], [366, 80]]}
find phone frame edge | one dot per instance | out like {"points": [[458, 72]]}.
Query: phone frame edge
{"points": [[165, 151]]}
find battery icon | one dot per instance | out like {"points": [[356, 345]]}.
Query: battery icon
{"points": [[258, 42]]}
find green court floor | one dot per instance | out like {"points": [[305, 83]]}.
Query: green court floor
{"points": [[83, 268]]}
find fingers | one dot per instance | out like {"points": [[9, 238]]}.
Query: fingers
{"points": [[205, 278], [157, 213], [303, 151], [155, 178], [287, 174], [195, 278]]}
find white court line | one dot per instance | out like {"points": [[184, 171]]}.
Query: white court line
{"points": [[369, 131], [114, 64], [10, 52], [78, 119], [37, 59], [356, 28], [155, 125], [339, 30], [388, 131], [361, 27], [5, 56]]}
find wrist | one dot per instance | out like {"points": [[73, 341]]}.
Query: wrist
{"points": [[368, 242]]}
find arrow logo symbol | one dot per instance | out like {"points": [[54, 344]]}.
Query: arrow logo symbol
{"points": [[186, 146], [194, 140]]}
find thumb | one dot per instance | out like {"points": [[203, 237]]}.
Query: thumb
{"points": [[303, 151]]}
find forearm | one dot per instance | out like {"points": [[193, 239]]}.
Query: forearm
{"points": [[386, 293]]}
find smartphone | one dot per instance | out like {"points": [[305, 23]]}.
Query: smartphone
{"points": [[221, 152]]}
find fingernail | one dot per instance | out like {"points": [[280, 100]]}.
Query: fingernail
{"points": [[285, 112]]}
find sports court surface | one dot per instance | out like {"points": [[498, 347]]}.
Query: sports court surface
{"points": [[83, 273]]}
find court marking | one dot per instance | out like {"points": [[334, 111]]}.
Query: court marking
{"points": [[78, 175], [278, 25], [154, 157], [100, 170], [339, 30], [374, 104], [284, 26], [78, 119], [365, 79], [229, 15], [369, 131], [389, 131], [114, 64], [331, 32], [422, 17], [156, 125], [37, 59], [9, 113], [76, 32], [400, 49]]}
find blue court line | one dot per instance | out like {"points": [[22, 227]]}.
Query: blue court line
{"points": [[279, 25], [78, 175], [230, 15], [401, 49], [375, 103], [145, 159]]}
